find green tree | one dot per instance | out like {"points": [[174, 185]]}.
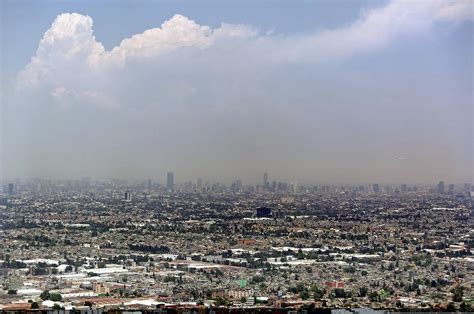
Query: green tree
{"points": [[55, 297], [458, 294], [374, 296], [466, 307], [451, 307], [44, 295], [34, 305], [318, 293], [221, 302], [56, 306], [304, 295]]}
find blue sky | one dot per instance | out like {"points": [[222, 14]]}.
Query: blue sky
{"points": [[312, 91]]}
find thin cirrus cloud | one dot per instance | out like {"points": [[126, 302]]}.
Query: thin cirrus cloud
{"points": [[71, 65]]}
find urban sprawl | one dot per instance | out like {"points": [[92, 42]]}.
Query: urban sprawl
{"points": [[116, 245]]}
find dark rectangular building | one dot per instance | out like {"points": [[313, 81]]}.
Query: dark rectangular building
{"points": [[264, 212]]}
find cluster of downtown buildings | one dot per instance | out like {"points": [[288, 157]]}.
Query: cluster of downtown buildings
{"points": [[144, 246]]}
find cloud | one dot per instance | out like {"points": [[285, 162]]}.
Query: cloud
{"points": [[178, 32], [69, 40], [374, 30], [71, 63]]}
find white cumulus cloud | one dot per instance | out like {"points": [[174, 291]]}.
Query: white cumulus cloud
{"points": [[70, 62]]}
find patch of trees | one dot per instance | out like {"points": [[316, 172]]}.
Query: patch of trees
{"points": [[162, 249], [14, 264], [55, 297], [341, 293]]}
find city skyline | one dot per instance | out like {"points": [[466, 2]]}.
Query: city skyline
{"points": [[170, 183]]}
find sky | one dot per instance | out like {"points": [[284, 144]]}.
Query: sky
{"points": [[318, 92]]}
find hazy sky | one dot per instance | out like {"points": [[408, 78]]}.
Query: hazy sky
{"points": [[308, 91]]}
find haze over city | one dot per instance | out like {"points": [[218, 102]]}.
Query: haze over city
{"points": [[237, 156], [362, 92]]}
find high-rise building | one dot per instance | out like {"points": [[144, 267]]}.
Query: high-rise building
{"points": [[404, 188], [441, 187], [128, 196], [199, 183], [10, 188], [451, 188], [266, 184], [375, 188], [170, 181], [467, 187]]}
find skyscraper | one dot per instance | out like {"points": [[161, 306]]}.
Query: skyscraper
{"points": [[467, 187], [128, 196], [404, 188], [451, 188], [441, 187], [170, 181], [266, 185], [375, 188], [10, 188]]}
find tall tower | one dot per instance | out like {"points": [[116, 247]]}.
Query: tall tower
{"points": [[10, 188], [404, 188], [375, 188], [170, 181], [441, 187], [467, 187], [265, 181], [128, 196]]}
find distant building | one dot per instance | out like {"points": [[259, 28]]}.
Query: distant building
{"points": [[467, 187], [279, 214], [441, 187], [287, 200], [334, 284], [264, 212], [170, 181], [293, 187], [266, 184], [451, 188], [128, 196], [375, 188], [246, 241], [404, 188], [10, 188]]}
